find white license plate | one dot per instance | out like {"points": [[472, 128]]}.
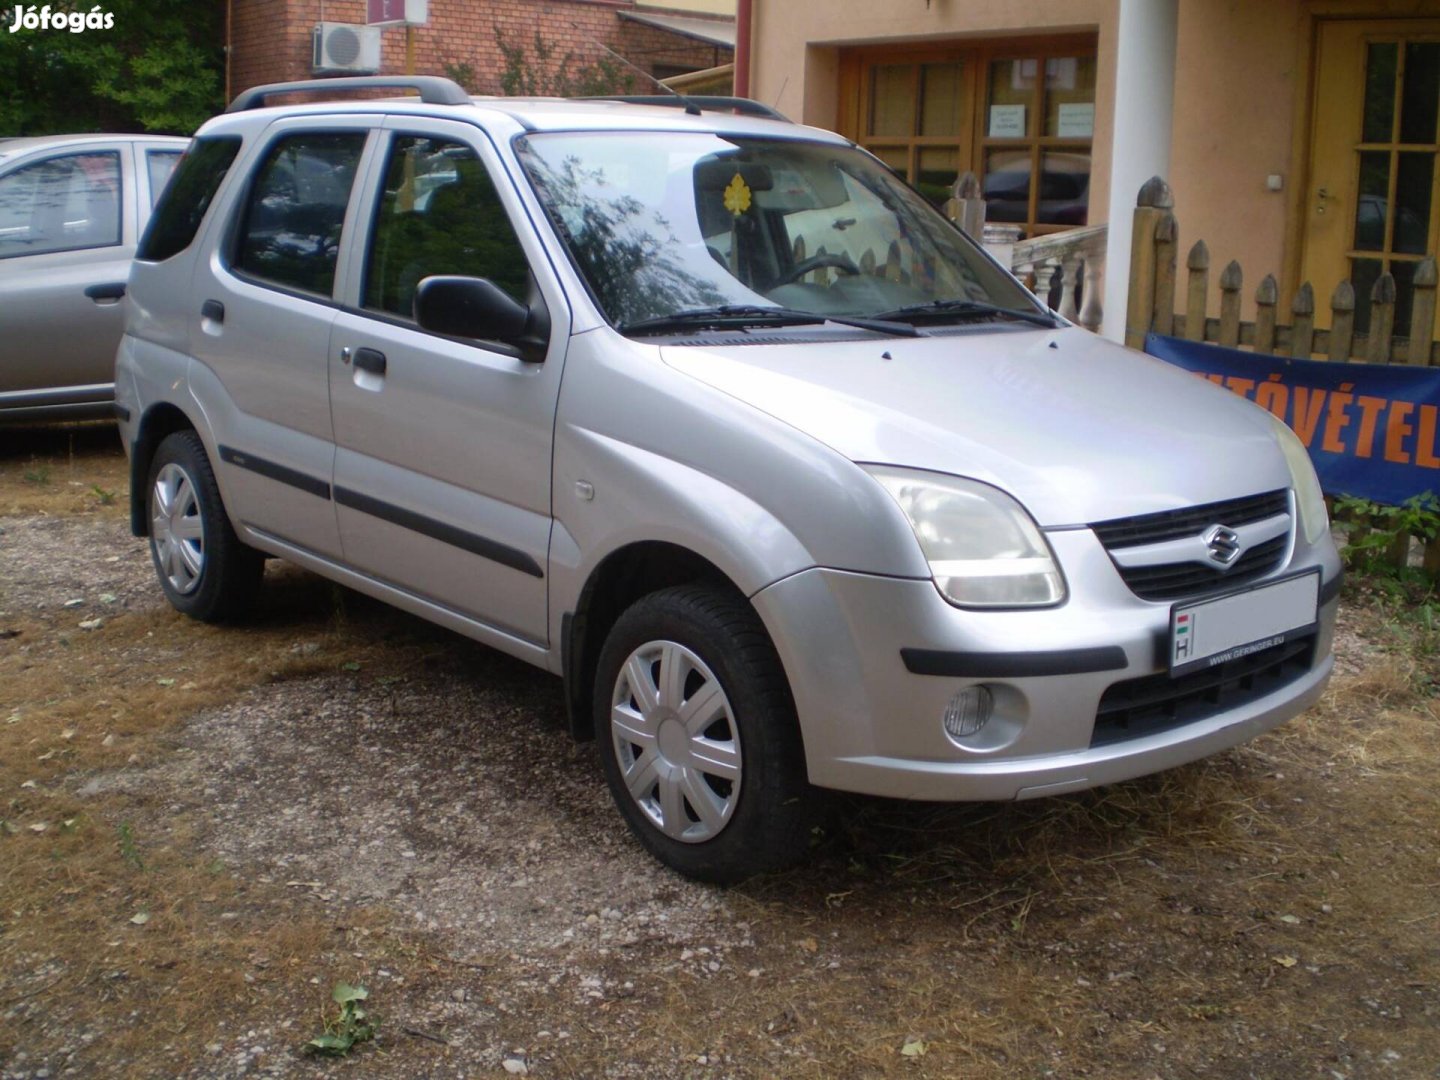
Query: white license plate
{"points": [[1205, 633]]}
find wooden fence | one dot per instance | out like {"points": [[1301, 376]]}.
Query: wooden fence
{"points": [[1154, 285]]}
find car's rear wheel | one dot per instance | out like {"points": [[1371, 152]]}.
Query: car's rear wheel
{"points": [[698, 736], [204, 568]]}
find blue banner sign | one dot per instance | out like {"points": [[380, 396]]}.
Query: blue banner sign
{"points": [[1373, 430]]}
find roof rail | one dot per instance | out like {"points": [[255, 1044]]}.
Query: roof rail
{"points": [[433, 89], [743, 106]]}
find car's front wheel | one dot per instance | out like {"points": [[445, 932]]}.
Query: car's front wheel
{"points": [[206, 571], [698, 736]]}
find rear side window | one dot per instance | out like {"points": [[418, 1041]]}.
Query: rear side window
{"points": [[290, 232], [188, 195], [63, 203]]}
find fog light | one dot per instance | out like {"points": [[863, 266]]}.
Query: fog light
{"points": [[968, 712]]}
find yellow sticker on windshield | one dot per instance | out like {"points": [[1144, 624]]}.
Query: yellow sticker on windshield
{"points": [[737, 196]]}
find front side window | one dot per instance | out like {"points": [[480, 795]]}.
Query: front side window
{"points": [[440, 214], [290, 232], [667, 223], [63, 203]]}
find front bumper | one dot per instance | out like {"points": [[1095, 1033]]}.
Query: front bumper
{"points": [[872, 720]]}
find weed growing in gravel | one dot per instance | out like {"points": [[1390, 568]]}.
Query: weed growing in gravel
{"points": [[128, 850], [39, 476], [351, 1026]]}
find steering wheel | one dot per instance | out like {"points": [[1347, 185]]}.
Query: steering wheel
{"points": [[815, 262]]}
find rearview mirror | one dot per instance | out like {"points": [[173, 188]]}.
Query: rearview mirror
{"points": [[471, 307]]}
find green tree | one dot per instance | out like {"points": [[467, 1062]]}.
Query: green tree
{"points": [[541, 71], [158, 67]]}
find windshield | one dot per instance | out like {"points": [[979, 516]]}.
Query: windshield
{"points": [[666, 223]]}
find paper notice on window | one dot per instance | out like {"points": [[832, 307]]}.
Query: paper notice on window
{"points": [[1007, 121], [1077, 120], [1060, 72]]}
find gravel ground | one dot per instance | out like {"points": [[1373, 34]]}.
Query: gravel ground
{"points": [[452, 799], [455, 799]]}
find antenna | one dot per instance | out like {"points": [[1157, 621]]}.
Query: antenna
{"points": [[781, 94], [690, 107]]}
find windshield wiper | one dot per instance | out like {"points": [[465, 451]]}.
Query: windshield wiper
{"points": [[725, 316], [964, 308]]}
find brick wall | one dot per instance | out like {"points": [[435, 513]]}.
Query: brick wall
{"points": [[650, 48], [270, 39]]}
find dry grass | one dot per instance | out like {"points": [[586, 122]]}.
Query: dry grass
{"points": [[78, 869], [1271, 912], [69, 469]]}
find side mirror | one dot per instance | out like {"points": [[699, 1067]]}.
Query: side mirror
{"points": [[470, 307]]}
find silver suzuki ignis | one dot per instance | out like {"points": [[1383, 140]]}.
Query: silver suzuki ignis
{"points": [[714, 417]]}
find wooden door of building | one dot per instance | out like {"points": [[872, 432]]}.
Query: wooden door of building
{"points": [[1373, 198]]}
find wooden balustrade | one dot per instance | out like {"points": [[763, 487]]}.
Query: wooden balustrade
{"points": [[1063, 269]]}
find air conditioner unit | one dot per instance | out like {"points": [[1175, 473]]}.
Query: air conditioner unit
{"points": [[346, 47]]}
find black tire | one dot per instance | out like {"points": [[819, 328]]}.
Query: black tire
{"points": [[769, 807], [216, 576]]}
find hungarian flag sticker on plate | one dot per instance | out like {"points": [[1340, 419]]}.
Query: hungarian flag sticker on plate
{"points": [[1204, 633]]}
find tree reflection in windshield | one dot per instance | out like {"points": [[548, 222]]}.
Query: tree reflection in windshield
{"points": [[667, 222], [624, 247]]}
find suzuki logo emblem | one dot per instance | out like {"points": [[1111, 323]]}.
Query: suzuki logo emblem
{"points": [[1224, 544]]}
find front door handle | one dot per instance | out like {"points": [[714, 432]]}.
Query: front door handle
{"points": [[370, 360], [111, 290], [213, 310]]}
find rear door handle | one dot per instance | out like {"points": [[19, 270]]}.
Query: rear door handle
{"points": [[370, 360], [213, 310], [111, 290]]}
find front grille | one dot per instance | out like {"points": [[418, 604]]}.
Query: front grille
{"points": [[1172, 581], [1154, 703], [1173, 524]]}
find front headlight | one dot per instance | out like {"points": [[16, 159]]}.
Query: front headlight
{"points": [[983, 549], [1309, 498]]}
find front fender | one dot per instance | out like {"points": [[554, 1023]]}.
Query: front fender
{"points": [[629, 495]]}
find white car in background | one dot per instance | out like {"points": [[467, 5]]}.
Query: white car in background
{"points": [[72, 208]]}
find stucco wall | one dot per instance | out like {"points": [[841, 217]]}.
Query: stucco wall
{"points": [[1238, 69]]}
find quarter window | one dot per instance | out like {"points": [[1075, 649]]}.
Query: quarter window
{"points": [[63, 203], [295, 210], [182, 207], [439, 214]]}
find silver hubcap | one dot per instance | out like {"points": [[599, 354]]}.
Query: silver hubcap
{"points": [[176, 530], [676, 741]]}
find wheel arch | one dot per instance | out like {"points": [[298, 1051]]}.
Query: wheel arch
{"points": [[160, 420], [620, 579]]}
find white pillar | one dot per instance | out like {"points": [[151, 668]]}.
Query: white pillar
{"points": [[1144, 114]]}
